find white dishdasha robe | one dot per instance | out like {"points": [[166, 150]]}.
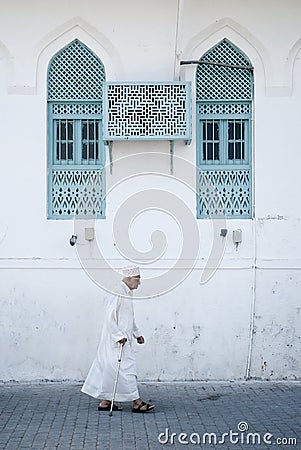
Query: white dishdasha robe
{"points": [[119, 323]]}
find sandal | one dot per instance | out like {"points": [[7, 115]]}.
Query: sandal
{"points": [[108, 408], [143, 408]]}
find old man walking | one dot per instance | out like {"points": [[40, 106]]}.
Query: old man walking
{"points": [[119, 329]]}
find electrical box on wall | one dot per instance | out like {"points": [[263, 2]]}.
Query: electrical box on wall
{"points": [[237, 236], [89, 234]]}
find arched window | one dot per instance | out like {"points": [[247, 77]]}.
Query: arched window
{"points": [[224, 95], [75, 146]]}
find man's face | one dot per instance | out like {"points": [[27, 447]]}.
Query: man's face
{"points": [[133, 282]]}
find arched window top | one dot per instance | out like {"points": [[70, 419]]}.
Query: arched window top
{"points": [[219, 82], [75, 73]]}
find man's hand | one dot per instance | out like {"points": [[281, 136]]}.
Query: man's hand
{"points": [[122, 341], [140, 340]]}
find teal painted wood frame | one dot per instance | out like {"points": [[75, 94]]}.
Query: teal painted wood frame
{"points": [[223, 119], [74, 94], [224, 95], [68, 169], [216, 173]]}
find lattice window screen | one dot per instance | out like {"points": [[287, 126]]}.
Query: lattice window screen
{"points": [[224, 83], [216, 109], [75, 73], [76, 108], [77, 191], [225, 193], [147, 111], [224, 95]]}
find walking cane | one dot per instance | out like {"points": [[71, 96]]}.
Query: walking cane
{"points": [[116, 379]]}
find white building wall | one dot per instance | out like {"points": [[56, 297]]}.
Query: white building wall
{"points": [[51, 310]]}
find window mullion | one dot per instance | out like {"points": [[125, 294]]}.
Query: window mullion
{"points": [[94, 142], [242, 137], [59, 139], [247, 141], [224, 141], [99, 160], [78, 141], [53, 140]]}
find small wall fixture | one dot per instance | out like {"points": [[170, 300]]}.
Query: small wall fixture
{"points": [[73, 240], [237, 237], [89, 234]]}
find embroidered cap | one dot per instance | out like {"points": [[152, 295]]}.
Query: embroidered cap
{"points": [[131, 271]]}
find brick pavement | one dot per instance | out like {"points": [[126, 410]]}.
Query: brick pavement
{"points": [[58, 416]]}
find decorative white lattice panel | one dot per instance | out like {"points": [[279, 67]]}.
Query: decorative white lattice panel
{"points": [[147, 111], [225, 193], [77, 192]]}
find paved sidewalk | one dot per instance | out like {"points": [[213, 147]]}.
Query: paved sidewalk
{"points": [[238, 415]]}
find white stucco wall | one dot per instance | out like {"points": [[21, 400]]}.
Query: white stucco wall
{"points": [[51, 311]]}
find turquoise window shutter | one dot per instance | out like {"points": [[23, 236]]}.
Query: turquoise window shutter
{"points": [[224, 96], [76, 155]]}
